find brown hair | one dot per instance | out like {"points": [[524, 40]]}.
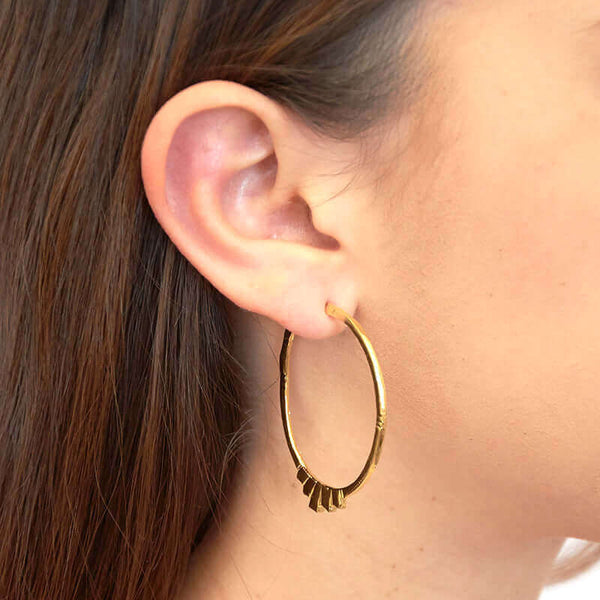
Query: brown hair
{"points": [[121, 413]]}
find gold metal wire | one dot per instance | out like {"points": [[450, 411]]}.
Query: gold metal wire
{"points": [[324, 497]]}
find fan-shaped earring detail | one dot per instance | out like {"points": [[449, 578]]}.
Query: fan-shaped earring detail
{"points": [[322, 497], [325, 498]]}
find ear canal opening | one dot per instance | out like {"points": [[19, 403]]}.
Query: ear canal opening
{"points": [[296, 222]]}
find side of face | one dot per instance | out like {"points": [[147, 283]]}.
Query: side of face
{"points": [[491, 260], [469, 246]]}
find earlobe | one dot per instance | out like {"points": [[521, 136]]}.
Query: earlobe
{"points": [[229, 200]]}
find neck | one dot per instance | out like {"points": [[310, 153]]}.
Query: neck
{"points": [[415, 530]]}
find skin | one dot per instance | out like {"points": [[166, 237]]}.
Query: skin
{"points": [[468, 248]]}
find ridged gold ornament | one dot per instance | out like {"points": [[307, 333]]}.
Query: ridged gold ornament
{"points": [[322, 497]]}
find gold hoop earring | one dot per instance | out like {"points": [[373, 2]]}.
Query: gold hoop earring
{"points": [[325, 497]]}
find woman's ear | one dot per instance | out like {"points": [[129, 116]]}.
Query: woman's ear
{"points": [[230, 175]]}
